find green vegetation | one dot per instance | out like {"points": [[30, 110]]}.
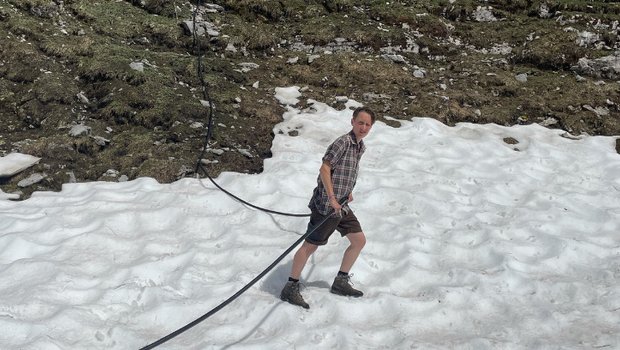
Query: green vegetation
{"points": [[128, 70]]}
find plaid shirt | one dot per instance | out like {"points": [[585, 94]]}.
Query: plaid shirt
{"points": [[343, 156]]}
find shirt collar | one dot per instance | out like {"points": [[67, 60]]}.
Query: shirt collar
{"points": [[353, 138], [354, 141]]}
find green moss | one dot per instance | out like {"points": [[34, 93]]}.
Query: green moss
{"points": [[150, 112], [122, 20], [553, 50], [595, 7], [101, 71], [39, 8], [6, 93], [163, 7], [29, 27], [67, 49], [320, 30], [417, 18], [255, 35], [323, 30], [58, 147], [338, 5], [23, 62], [113, 62], [489, 34], [55, 88], [459, 10], [164, 171], [259, 9]]}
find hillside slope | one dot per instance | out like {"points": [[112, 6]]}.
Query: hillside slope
{"points": [[108, 90]]}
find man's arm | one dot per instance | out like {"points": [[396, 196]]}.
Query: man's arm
{"points": [[326, 177]]}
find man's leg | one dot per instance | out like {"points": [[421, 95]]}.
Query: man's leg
{"points": [[342, 283], [357, 240], [290, 292], [301, 258]]}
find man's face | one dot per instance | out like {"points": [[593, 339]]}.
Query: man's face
{"points": [[361, 125]]}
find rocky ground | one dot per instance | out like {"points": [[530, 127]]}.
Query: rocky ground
{"points": [[109, 90]]}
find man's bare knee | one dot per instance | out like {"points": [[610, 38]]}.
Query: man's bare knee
{"points": [[308, 248], [357, 239]]}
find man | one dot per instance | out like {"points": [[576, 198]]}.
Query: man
{"points": [[335, 183]]}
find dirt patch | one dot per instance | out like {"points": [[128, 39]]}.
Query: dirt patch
{"points": [[127, 70]]}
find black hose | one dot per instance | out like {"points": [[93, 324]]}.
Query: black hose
{"points": [[205, 93], [241, 291], [203, 84], [206, 97], [248, 203]]}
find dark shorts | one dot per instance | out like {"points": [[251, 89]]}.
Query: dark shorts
{"points": [[345, 225]]}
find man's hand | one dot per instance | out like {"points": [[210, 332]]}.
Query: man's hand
{"points": [[334, 204], [350, 197]]}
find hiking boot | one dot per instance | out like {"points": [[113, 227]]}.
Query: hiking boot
{"points": [[342, 286], [290, 293]]}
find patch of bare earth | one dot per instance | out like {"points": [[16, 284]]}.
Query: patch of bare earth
{"points": [[110, 90]]}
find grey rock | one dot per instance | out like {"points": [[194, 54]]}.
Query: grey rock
{"points": [[139, 66], [543, 11], [214, 7], [79, 130], [245, 152], [395, 58], [123, 178], [484, 14], [219, 152], [14, 163], [312, 58], [501, 49], [45, 10], [184, 170], [300, 46], [101, 141], [201, 28], [212, 32], [32, 179], [549, 121], [370, 96], [599, 111], [586, 38], [248, 66], [143, 40], [83, 98], [13, 196], [111, 173], [207, 161], [604, 67], [522, 78], [72, 178]]}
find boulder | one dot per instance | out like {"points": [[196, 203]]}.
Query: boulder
{"points": [[14, 163], [32, 179], [604, 67]]}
